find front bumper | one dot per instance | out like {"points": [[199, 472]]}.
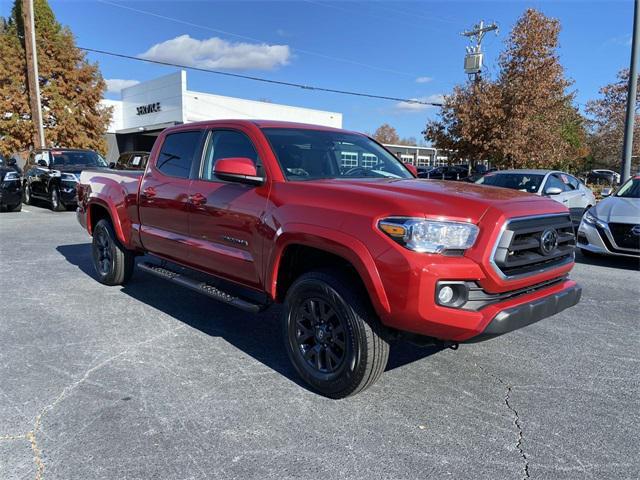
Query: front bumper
{"points": [[598, 240], [10, 193], [522, 315]]}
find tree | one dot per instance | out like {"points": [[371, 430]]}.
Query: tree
{"points": [[386, 134], [606, 123], [71, 87], [523, 118]]}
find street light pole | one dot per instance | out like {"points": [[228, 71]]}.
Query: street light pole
{"points": [[625, 172], [32, 72]]}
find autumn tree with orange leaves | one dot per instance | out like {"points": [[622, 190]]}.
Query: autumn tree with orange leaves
{"points": [[525, 118], [71, 87]]}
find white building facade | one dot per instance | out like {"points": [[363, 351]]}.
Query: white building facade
{"points": [[147, 108]]}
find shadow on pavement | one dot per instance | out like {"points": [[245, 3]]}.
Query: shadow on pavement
{"points": [[257, 335], [625, 263]]}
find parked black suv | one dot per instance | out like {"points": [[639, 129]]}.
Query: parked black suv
{"points": [[52, 175], [446, 172], [10, 185], [131, 161]]}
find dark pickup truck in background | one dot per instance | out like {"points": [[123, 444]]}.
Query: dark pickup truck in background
{"points": [[359, 255]]}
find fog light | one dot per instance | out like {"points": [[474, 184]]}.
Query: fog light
{"points": [[445, 295]]}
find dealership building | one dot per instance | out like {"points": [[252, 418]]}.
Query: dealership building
{"points": [[145, 109]]}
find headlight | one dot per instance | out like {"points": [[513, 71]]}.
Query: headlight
{"points": [[68, 177], [11, 177], [590, 219], [430, 236]]}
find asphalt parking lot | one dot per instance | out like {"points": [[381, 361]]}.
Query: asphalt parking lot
{"points": [[155, 381]]}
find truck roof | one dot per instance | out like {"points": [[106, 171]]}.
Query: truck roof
{"points": [[263, 124]]}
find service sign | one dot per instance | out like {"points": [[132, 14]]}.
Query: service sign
{"points": [[146, 109]]}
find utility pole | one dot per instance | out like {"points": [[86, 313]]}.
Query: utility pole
{"points": [[32, 72], [473, 58], [625, 172]]}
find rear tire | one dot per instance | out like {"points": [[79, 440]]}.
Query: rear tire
{"points": [[332, 335], [113, 263], [54, 200]]}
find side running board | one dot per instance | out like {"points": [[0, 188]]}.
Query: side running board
{"points": [[201, 287]]}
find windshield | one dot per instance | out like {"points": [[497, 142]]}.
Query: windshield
{"points": [[313, 154], [631, 189], [63, 158], [525, 182]]}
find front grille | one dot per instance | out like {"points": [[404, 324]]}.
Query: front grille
{"points": [[623, 235], [520, 250]]}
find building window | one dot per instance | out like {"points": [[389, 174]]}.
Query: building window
{"points": [[407, 159], [349, 159], [369, 160], [423, 161]]}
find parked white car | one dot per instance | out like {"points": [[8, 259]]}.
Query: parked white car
{"points": [[612, 227], [560, 186]]}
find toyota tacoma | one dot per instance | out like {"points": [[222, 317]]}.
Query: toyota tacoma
{"points": [[330, 224]]}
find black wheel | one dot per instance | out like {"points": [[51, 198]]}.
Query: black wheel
{"points": [[54, 200], [15, 208], [332, 335], [26, 194], [113, 263]]}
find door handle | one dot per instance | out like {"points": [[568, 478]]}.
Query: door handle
{"points": [[198, 199], [149, 192]]}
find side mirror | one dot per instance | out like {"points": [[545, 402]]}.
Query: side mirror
{"points": [[12, 162], [412, 169], [112, 164], [606, 192], [553, 191], [42, 163], [237, 169]]}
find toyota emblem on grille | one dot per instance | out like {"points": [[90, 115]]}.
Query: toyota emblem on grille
{"points": [[636, 230], [548, 241]]}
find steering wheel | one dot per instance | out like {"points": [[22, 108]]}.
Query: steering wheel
{"points": [[352, 171]]}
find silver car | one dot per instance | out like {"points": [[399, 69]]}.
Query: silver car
{"points": [[560, 186], [612, 227]]}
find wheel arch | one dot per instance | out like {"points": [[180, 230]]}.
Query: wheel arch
{"points": [[99, 210], [303, 248]]}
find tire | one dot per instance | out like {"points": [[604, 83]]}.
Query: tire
{"points": [[54, 200], [26, 194], [15, 208], [112, 262], [324, 316]]}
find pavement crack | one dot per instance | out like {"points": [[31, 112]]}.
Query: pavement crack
{"points": [[31, 435], [516, 420]]}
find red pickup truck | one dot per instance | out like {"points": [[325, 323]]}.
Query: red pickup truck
{"points": [[332, 225]]}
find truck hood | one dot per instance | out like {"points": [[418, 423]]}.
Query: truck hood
{"points": [[416, 197], [618, 210]]}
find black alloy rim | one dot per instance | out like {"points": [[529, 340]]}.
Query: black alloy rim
{"points": [[320, 333], [102, 253]]}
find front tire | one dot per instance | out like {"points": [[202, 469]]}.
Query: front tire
{"points": [[26, 194], [332, 335], [15, 208], [54, 200], [113, 263]]}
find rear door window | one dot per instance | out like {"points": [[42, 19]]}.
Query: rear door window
{"points": [[178, 152]]}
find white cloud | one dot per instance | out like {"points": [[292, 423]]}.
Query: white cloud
{"points": [[115, 85], [218, 53], [419, 107], [423, 79]]}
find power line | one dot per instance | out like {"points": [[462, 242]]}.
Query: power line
{"points": [[254, 39], [261, 79]]}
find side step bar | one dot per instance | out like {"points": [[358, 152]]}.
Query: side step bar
{"points": [[201, 287]]}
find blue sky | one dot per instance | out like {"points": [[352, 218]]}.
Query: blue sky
{"points": [[395, 48]]}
